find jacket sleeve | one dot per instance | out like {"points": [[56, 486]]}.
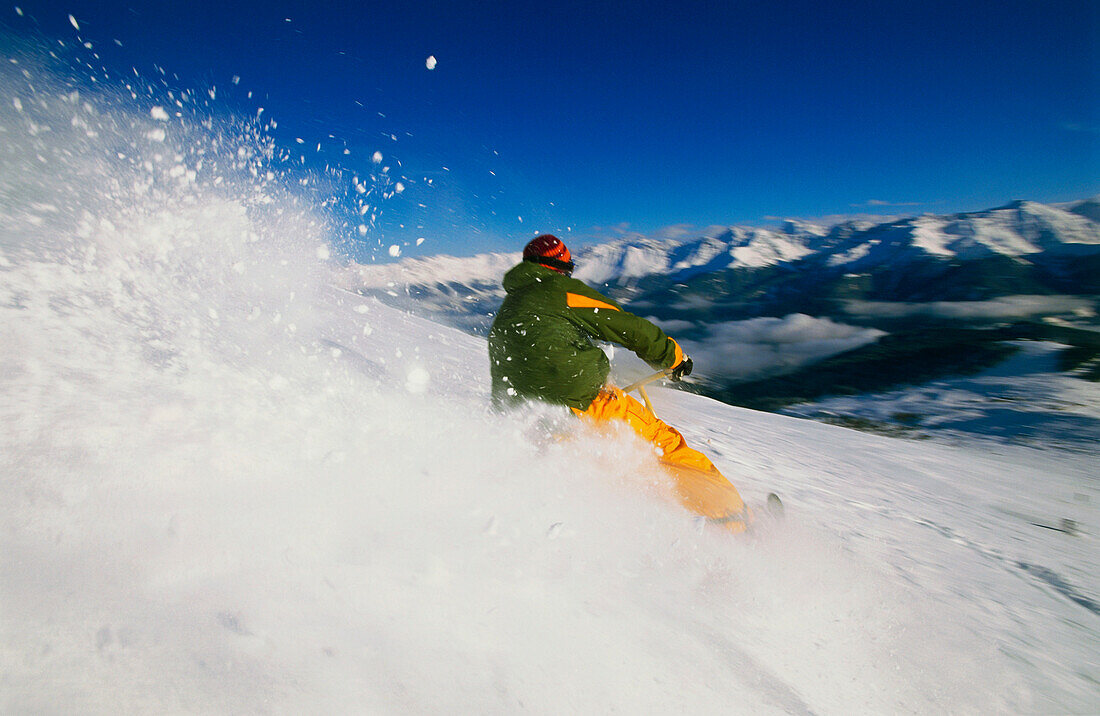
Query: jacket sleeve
{"points": [[604, 319]]}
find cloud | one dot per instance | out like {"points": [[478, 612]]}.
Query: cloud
{"points": [[672, 326], [620, 228], [996, 309], [880, 202], [675, 231], [830, 220], [1081, 127], [622, 231], [763, 346], [617, 232]]}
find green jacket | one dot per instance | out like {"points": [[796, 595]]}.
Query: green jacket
{"points": [[541, 342]]}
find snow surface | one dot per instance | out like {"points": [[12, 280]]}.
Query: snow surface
{"points": [[227, 485]]}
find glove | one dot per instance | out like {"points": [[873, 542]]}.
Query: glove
{"points": [[681, 369]]}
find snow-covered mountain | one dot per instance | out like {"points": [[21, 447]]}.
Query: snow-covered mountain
{"points": [[754, 302], [1020, 230]]}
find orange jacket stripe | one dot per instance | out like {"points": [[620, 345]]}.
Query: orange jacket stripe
{"points": [[679, 353], [576, 300]]}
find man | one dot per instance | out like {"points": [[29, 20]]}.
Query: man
{"points": [[541, 347]]}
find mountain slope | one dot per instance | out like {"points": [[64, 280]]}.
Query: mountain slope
{"points": [[227, 486], [354, 529]]}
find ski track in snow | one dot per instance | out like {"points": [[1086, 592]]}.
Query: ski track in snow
{"points": [[227, 486]]}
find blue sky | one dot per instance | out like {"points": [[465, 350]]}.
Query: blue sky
{"points": [[590, 118]]}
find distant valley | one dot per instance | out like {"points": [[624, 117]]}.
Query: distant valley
{"points": [[781, 316]]}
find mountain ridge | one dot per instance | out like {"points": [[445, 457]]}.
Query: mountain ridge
{"points": [[1020, 229]]}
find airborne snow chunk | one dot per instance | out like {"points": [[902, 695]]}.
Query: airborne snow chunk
{"points": [[417, 379]]}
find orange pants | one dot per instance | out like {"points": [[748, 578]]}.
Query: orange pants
{"points": [[699, 485]]}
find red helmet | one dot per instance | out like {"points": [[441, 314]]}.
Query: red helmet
{"points": [[548, 250]]}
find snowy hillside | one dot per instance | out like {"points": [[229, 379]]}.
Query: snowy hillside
{"points": [[228, 485]]}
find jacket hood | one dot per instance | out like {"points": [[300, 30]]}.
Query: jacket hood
{"points": [[527, 273]]}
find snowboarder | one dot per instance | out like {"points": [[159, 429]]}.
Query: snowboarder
{"points": [[541, 348]]}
